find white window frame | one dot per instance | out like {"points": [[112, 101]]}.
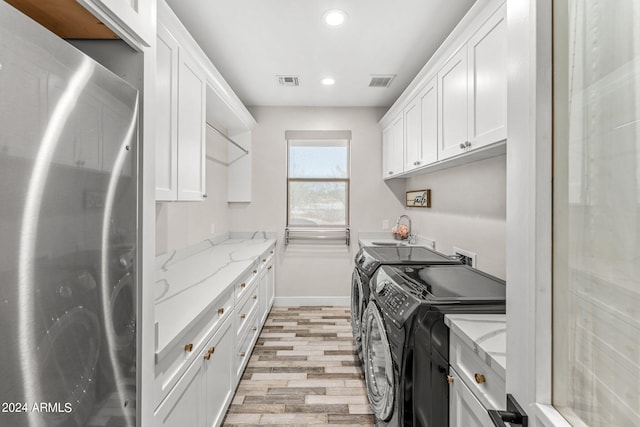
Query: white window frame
{"points": [[320, 136]]}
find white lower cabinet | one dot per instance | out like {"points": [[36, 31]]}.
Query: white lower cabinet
{"points": [[196, 378], [218, 375], [476, 386], [465, 410], [201, 396]]}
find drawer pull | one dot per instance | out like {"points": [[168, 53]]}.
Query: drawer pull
{"points": [[255, 328], [242, 316], [480, 378], [255, 297], [270, 267], [207, 356], [264, 260], [242, 354], [243, 285], [188, 348], [271, 251], [449, 379], [255, 271], [212, 350], [221, 311]]}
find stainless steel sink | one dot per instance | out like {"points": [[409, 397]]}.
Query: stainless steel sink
{"points": [[390, 243]]}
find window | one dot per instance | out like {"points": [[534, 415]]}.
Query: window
{"points": [[318, 179]]}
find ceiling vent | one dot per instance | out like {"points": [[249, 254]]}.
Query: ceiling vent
{"points": [[381, 80], [288, 81]]}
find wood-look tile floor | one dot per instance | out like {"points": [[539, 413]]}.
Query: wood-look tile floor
{"points": [[303, 371]]}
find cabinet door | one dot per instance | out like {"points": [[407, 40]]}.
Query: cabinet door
{"points": [[397, 150], [429, 123], [185, 404], [412, 135], [135, 17], [219, 374], [263, 292], [167, 116], [465, 410], [271, 283], [452, 100], [387, 145], [488, 82], [191, 129]]}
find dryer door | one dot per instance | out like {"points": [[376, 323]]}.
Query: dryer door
{"points": [[356, 305], [378, 364]]}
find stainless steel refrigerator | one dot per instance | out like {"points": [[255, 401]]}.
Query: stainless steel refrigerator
{"points": [[68, 214]]}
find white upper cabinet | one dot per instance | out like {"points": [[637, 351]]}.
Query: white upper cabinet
{"points": [[487, 51], [452, 102], [457, 104], [167, 116], [421, 128], [393, 148], [429, 123], [180, 124], [412, 143], [191, 130], [131, 19]]}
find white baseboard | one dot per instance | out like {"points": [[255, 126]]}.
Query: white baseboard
{"points": [[311, 301]]}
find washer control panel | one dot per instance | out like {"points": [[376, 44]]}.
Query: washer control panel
{"points": [[396, 303]]}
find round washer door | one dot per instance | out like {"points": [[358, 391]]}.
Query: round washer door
{"points": [[356, 305], [378, 364]]}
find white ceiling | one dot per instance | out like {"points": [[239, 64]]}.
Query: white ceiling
{"points": [[253, 41]]}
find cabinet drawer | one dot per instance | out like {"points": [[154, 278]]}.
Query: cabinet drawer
{"points": [[465, 410], [246, 310], [484, 382], [172, 363], [245, 343], [244, 284]]}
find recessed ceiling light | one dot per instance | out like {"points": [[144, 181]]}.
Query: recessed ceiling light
{"points": [[328, 81], [334, 18]]}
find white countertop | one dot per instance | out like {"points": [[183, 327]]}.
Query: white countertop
{"points": [[486, 334], [189, 280]]}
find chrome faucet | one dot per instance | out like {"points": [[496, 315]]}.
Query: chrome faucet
{"points": [[264, 235], [410, 227]]}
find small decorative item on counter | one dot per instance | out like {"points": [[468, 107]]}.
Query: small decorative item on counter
{"points": [[400, 232]]}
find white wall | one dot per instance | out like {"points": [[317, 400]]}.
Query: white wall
{"points": [[315, 270], [181, 224], [468, 210]]}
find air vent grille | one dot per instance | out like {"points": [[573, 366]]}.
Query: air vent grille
{"points": [[288, 81], [381, 80]]}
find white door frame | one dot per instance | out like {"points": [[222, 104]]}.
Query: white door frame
{"points": [[529, 209]]}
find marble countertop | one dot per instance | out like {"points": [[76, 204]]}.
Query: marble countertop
{"points": [[486, 334], [191, 279]]}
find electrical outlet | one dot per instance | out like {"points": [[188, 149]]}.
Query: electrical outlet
{"points": [[466, 257], [385, 224]]}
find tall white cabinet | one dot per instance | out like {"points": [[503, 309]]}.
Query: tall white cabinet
{"points": [[180, 128]]}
